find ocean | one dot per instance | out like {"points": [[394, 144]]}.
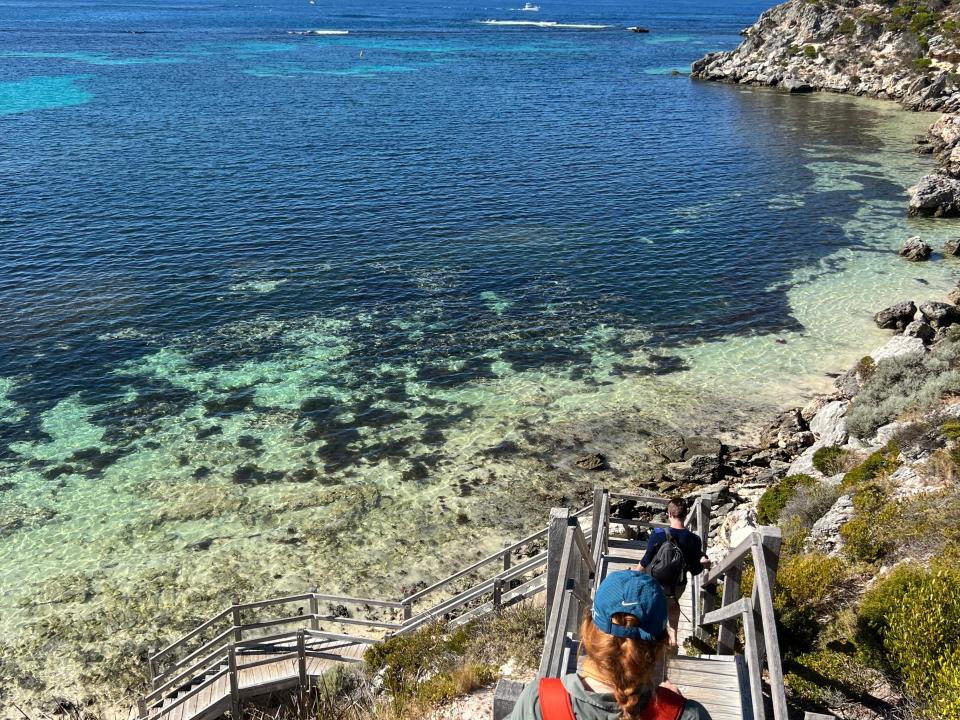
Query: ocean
{"points": [[283, 283]]}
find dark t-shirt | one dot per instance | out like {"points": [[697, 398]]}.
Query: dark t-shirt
{"points": [[688, 542]]}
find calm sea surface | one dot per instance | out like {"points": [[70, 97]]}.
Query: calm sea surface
{"points": [[267, 297]]}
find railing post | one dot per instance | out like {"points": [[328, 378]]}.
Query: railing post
{"points": [[152, 667], [235, 611], [595, 515], [142, 708], [766, 553], [407, 611], [556, 533], [314, 611], [507, 556], [771, 539], [727, 634], [302, 672], [703, 520], [234, 683], [753, 665], [497, 593]]}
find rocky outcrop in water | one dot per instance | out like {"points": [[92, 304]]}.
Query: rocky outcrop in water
{"points": [[906, 52]]}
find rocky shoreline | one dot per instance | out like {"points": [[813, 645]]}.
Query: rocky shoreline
{"points": [[905, 52]]}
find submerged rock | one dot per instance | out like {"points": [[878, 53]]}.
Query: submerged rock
{"points": [[914, 249], [593, 461], [896, 317], [794, 86]]}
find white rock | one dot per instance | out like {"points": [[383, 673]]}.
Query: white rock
{"points": [[803, 465], [886, 432], [829, 425], [898, 346], [825, 534]]}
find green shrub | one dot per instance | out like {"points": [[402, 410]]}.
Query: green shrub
{"points": [[865, 368], [922, 640], [883, 462], [868, 536], [809, 51], [793, 50], [902, 384], [810, 588], [873, 617], [951, 429], [773, 500], [832, 460], [921, 20], [922, 64], [823, 676], [848, 26], [873, 21]]}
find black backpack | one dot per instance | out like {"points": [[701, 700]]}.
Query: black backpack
{"points": [[668, 566]]}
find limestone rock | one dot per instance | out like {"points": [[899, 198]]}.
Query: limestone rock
{"points": [[794, 86], [829, 426], [915, 249], [592, 461], [896, 317], [784, 430], [936, 195], [825, 534], [940, 314], [699, 469], [951, 248], [898, 346], [954, 296], [920, 329]]}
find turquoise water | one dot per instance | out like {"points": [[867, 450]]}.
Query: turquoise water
{"points": [[268, 304]]}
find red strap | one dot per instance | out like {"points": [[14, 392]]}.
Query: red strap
{"points": [[554, 700], [665, 705]]}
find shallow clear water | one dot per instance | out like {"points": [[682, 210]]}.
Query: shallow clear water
{"points": [[265, 295]]}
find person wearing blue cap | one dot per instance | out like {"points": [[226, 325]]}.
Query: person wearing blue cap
{"points": [[623, 640]]}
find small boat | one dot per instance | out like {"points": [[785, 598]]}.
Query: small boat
{"points": [[530, 7], [638, 29]]}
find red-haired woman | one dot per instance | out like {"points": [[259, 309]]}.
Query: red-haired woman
{"points": [[624, 640]]}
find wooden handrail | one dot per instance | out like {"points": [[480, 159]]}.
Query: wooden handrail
{"points": [[199, 651], [193, 691], [651, 500], [216, 655], [732, 558], [192, 634]]}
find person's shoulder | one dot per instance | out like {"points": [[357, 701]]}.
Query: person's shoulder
{"points": [[692, 710], [528, 704]]}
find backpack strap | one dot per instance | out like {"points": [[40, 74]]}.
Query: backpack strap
{"points": [[664, 705], [554, 700]]}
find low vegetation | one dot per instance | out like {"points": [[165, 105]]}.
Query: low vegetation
{"points": [[775, 498], [911, 383]]}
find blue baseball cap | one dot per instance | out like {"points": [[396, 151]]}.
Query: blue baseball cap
{"points": [[634, 593]]}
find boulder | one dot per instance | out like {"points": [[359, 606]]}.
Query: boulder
{"points": [[794, 86], [677, 448], [915, 249], [898, 346], [830, 426], [699, 469], [952, 247], [825, 534], [593, 461], [935, 195], [920, 329], [803, 465], [784, 430], [896, 317], [954, 296], [940, 314]]}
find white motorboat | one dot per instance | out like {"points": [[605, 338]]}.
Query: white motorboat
{"points": [[530, 7]]}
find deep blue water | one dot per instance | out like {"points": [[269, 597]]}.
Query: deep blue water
{"points": [[163, 160]]}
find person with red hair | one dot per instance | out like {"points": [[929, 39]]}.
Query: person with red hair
{"points": [[623, 641]]}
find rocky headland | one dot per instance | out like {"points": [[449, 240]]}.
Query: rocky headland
{"points": [[906, 51]]}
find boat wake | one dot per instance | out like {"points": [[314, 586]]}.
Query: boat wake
{"points": [[545, 24], [318, 32]]}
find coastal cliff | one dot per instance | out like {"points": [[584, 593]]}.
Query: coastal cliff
{"points": [[907, 52]]}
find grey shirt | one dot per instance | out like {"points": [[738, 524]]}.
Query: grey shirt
{"points": [[587, 705]]}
